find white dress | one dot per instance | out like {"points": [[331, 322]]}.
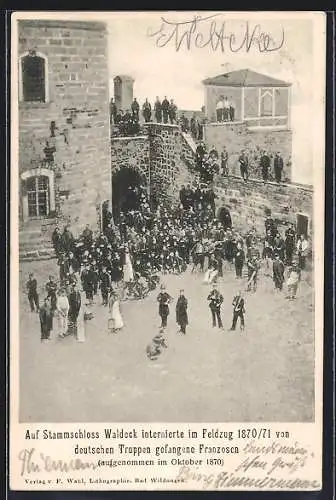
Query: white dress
{"points": [[128, 269], [115, 316]]}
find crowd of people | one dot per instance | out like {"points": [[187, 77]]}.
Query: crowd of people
{"points": [[225, 110], [209, 163], [128, 122], [128, 261]]}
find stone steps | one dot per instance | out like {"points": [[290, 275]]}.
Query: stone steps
{"points": [[35, 239]]}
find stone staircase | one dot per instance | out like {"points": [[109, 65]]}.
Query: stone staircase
{"points": [[35, 239], [190, 141]]}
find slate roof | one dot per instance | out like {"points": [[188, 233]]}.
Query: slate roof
{"points": [[245, 78]]}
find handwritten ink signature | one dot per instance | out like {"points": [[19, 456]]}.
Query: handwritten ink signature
{"points": [[33, 462], [215, 36]]}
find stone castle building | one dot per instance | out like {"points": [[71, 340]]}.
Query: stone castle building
{"points": [[69, 165], [64, 137]]}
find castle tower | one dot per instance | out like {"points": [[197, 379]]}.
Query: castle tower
{"points": [[64, 145], [123, 91]]}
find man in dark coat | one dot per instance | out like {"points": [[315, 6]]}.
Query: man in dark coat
{"points": [[181, 312], [243, 163], [135, 109], [172, 110], [290, 239], [46, 319], [51, 288], [165, 109], [278, 272], [239, 260], [67, 240], [75, 303], [147, 111], [238, 311], [33, 297], [215, 302], [164, 299], [265, 164], [278, 167], [158, 110], [56, 239], [193, 127], [105, 284], [271, 226], [224, 162]]}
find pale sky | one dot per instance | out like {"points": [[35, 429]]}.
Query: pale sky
{"points": [[178, 74]]}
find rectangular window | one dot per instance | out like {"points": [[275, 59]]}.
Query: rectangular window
{"points": [[33, 78]]}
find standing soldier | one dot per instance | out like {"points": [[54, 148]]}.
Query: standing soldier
{"points": [[239, 260], [158, 110], [164, 300], [135, 109], [302, 249], [181, 312], [278, 167], [147, 111], [51, 288], [33, 297], [105, 284], [278, 272], [46, 319], [215, 302], [265, 164], [172, 112], [290, 237], [252, 272], [224, 162], [165, 109], [238, 311], [56, 238], [75, 303], [243, 162]]}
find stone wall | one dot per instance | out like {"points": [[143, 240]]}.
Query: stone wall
{"points": [[249, 201], [236, 136], [132, 152], [77, 82]]}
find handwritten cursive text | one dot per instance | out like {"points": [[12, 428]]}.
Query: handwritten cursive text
{"points": [[33, 462], [209, 32]]}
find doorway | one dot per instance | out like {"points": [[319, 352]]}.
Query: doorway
{"points": [[302, 224], [126, 188]]}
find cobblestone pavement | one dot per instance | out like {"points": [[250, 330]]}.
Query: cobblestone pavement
{"points": [[264, 374]]}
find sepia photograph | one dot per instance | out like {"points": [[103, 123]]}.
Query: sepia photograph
{"points": [[170, 183]]}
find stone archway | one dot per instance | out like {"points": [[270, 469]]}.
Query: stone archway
{"points": [[126, 184]]}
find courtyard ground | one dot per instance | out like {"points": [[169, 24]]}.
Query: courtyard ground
{"points": [[264, 374]]}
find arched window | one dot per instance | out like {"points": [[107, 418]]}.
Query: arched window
{"points": [[33, 76], [38, 195], [266, 104]]}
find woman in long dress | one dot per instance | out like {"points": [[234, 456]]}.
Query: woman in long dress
{"points": [[128, 273], [115, 321]]}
